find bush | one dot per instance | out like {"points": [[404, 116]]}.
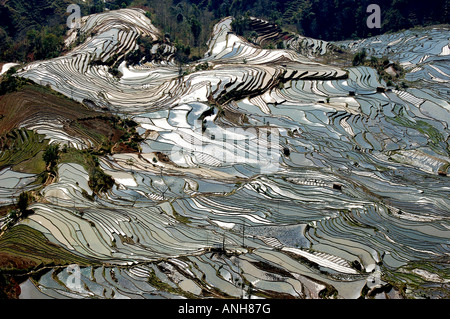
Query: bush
{"points": [[359, 58], [99, 181], [11, 83], [51, 155], [22, 204], [280, 45], [12, 214]]}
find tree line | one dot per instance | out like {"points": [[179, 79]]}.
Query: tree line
{"points": [[35, 29], [189, 23]]}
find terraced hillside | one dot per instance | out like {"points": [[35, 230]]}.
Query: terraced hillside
{"points": [[259, 172]]}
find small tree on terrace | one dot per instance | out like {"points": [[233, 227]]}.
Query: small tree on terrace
{"points": [[51, 155], [23, 201], [359, 58]]}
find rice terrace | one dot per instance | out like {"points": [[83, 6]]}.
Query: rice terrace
{"points": [[223, 150]]}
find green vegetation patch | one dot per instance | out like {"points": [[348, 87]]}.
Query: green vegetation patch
{"points": [[23, 248], [22, 149], [81, 157], [422, 126], [11, 83], [390, 72], [413, 282]]}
